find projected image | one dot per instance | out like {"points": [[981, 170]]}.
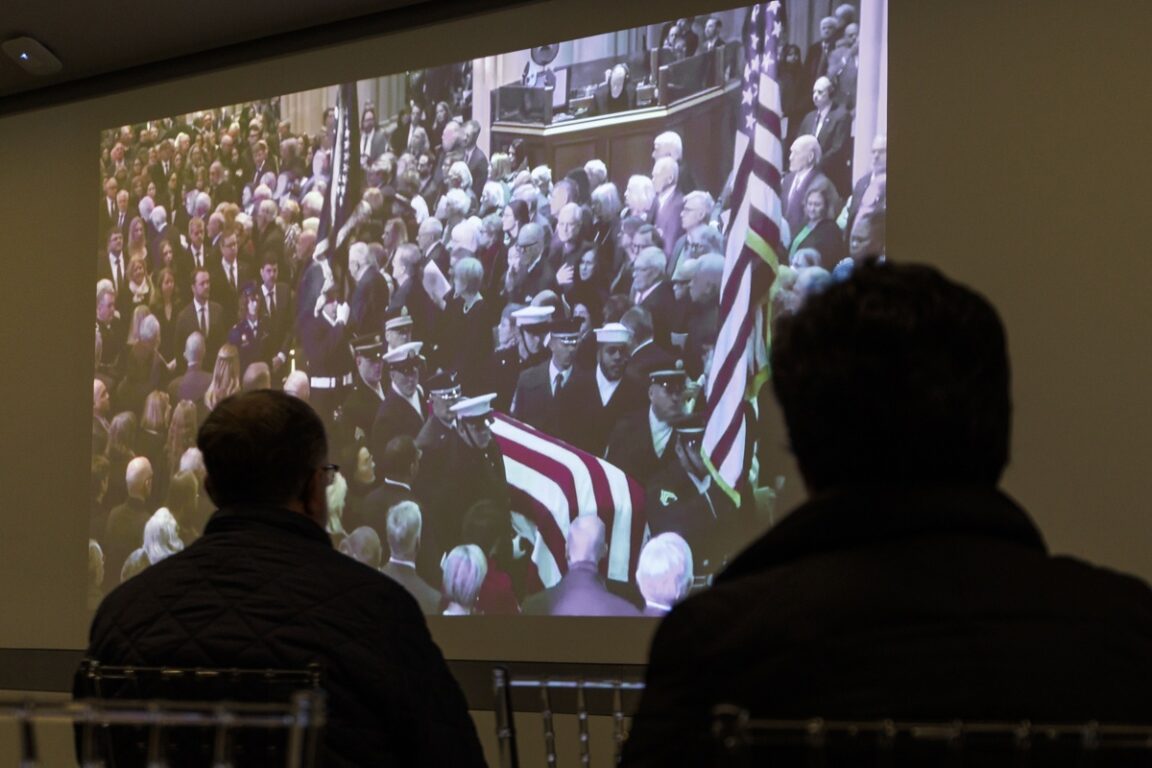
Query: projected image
{"points": [[529, 294]]}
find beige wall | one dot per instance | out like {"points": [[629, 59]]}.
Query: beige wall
{"points": [[1017, 146]]}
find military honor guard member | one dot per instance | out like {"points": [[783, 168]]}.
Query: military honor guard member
{"points": [[367, 394], [444, 391], [535, 400], [683, 499], [398, 329], [402, 411], [594, 401], [507, 364], [641, 443], [476, 471]]}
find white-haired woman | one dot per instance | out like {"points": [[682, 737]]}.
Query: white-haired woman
{"points": [[464, 570], [161, 536]]}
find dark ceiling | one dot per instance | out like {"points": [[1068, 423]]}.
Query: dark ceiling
{"points": [[120, 43]]}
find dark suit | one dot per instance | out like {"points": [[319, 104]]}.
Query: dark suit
{"points": [[541, 277], [188, 322], [794, 199], [222, 290], [844, 71], [478, 166], [191, 386], [407, 577], [534, 403], [376, 144], [835, 137], [369, 303], [581, 592], [123, 534], [279, 322], [703, 326], [584, 421], [817, 61], [374, 509], [661, 304], [827, 239], [666, 217], [123, 294], [395, 416]]}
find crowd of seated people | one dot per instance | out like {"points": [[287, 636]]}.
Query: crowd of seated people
{"points": [[580, 306]]}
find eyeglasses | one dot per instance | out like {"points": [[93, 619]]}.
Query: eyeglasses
{"points": [[330, 472]]}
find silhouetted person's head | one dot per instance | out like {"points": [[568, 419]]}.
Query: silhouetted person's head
{"points": [[895, 376], [269, 448]]}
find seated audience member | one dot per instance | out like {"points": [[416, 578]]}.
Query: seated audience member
{"points": [[581, 591], [909, 586], [464, 570], [363, 545], [292, 600], [404, 526], [664, 573]]}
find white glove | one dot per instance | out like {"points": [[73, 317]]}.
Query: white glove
{"points": [[320, 302], [342, 312]]}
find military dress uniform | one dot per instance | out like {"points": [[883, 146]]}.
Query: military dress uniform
{"points": [[696, 508]]}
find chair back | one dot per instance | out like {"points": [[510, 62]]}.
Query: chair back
{"points": [[742, 741], [202, 716], [548, 688]]}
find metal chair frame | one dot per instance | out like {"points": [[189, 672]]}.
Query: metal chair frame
{"points": [[736, 734], [299, 708], [503, 683]]}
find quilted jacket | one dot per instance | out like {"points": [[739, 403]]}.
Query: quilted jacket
{"points": [[263, 588]]}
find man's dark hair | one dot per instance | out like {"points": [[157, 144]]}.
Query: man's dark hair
{"points": [[398, 456], [895, 376], [261, 447]]}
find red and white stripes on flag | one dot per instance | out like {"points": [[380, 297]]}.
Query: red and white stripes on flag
{"points": [[552, 482], [739, 362]]}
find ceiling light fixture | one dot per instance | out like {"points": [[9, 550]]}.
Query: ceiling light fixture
{"points": [[32, 56]]}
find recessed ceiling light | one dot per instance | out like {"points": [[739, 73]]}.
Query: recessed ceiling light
{"points": [[32, 56]]}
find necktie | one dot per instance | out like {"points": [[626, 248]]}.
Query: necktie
{"points": [[120, 222], [203, 322], [271, 302], [232, 276], [199, 259], [119, 271], [111, 207], [557, 384]]}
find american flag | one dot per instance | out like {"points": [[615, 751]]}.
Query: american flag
{"points": [[552, 482], [739, 362], [344, 192]]}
